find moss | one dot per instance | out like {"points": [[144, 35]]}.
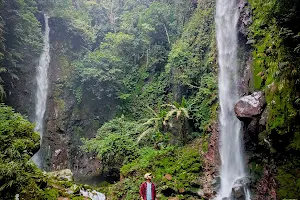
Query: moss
{"points": [[78, 131], [182, 163], [51, 193], [289, 180], [271, 69], [256, 171], [66, 68], [257, 71], [60, 103], [58, 97], [275, 72], [205, 144]]}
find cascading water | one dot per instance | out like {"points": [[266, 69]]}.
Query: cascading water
{"points": [[42, 89], [232, 162]]}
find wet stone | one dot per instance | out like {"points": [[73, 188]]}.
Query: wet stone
{"points": [[238, 191]]}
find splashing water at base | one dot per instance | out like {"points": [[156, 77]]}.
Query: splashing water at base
{"points": [[232, 169], [42, 89], [94, 195]]}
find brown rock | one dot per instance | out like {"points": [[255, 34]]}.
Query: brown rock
{"points": [[264, 117], [250, 106], [63, 198], [211, 163], [168, 177], [207, 192], [181, 190], [122, 177], [253, 125]]}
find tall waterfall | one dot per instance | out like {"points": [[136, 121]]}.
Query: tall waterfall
{"points": [[42, 89], [231, 152]]}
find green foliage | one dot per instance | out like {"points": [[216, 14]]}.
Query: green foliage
{"points": [[275, 31], [51, 193], [145, 40], [19, 175], [153, 124], [179, 110], [192, 62], [121, 49], [17, 136], [152, 93], [106, 66], [20, 38], [18, 142], [133, 40], [183, 164], [289, 180], [114, 143], [77, 16], [274, 60], [193, 55], [203, 105]]}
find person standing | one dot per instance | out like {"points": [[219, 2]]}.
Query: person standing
{"points": [[147, 189]]}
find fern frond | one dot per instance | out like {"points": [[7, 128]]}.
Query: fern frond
{"points": [[2, 93], [2, 69], [169, 105], [144, 134], [150, 121], [152, 111], [178, 113], [169, 114], [185, 112]]}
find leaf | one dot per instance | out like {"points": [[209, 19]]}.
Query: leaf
{"points": [[141, 136]]}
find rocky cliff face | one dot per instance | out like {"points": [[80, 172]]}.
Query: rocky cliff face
{"points": [[253, 111], [68, 120]]}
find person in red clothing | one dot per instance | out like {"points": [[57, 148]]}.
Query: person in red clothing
{"points": [[147, 189]]}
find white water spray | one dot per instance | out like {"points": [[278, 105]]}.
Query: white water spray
{"points": [[231, 153], [42, 89]]}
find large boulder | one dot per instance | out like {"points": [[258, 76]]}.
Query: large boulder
{"points": [[250, 106], [238, 191]]}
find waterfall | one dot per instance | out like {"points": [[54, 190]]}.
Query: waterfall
{"points": [[232, 170], [42, 89]]}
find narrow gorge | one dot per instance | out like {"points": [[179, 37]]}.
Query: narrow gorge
{"points": [[202, 94]]}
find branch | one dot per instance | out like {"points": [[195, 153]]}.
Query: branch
{"points": [[167, 33]]}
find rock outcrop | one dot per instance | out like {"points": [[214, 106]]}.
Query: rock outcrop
{"points": [[211, 180], [250, 106], [69, 119], [245, 19], [65, 175]]}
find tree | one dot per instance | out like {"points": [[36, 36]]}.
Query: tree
{"points": [[103, 70], [18, 142], [153, 124], [114, 144], [20, 38]]}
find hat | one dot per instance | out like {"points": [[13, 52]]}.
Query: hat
{"points": [[146, 175]]}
